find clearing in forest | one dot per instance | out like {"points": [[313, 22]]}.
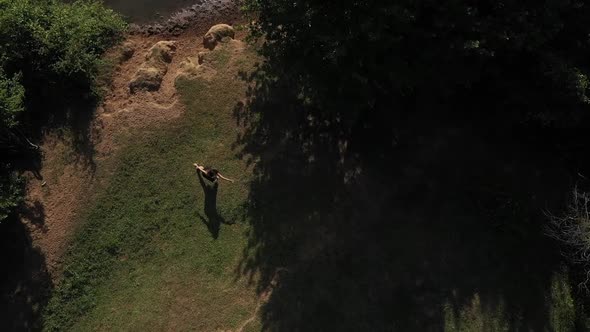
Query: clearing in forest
{"points": [[157, 250]]}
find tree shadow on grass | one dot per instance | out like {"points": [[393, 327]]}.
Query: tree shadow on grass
{"points": [[72, 115], [34, 213], [25, 283], [362, 240]]}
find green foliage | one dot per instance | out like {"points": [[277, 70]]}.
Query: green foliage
{"points": [[366, 65], [572, 231], [562, 312], [55, 41], [12, 96], [50, 54], [250, 7], [474, 317], [11, 191], [11, 105], [78, 36], [21, 23]]}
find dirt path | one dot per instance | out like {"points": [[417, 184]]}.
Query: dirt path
{"points": [[69, 183]]}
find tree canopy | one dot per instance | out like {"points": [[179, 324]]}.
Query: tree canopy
{"points": [[363, 64]]}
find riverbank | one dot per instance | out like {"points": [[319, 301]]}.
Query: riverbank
{"points": [[200, 15]]}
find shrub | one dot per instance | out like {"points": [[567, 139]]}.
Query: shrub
{"points": [[572, 230], [11, 191], [50, 55], [11, 105], [12, 96], [79, 34]]}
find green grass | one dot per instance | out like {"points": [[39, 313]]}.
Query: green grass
{"points": [[143, 258]]}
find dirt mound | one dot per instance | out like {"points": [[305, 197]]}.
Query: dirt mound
{"points": [[216, 34], [227, 51], [127, 51], [206, 64], [190, 68], [150, 74]]}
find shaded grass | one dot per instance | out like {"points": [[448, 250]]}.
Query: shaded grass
{"points": [[475, 316], [144, 258], [441, 231]]}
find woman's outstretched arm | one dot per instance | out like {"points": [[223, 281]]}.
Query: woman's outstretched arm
{"points": [[223, 177]]}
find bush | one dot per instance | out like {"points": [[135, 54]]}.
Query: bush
{"points": [[50, 54], [78, 36], [11, 191], [12, 96], [366, 66], [55, 41], [11, 105], [573, 232]]}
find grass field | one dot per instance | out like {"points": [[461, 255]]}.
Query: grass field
{"points": [[150, 255]]}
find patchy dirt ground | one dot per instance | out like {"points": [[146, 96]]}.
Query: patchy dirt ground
{"points": [[68, 182]]}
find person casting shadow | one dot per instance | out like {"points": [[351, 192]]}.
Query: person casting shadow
{"points": [[213, 220], [210, 189]]}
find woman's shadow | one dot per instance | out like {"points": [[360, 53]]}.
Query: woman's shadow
{"points": [[212, 218]]}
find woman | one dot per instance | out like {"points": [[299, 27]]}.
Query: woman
{"points": [[210, 174]]}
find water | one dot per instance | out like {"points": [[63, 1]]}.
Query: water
{"points": [[144, 11]]}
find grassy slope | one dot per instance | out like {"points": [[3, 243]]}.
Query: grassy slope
{"points": [[144, 258]]}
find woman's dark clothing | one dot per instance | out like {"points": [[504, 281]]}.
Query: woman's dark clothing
{"points": [[210, 174]]}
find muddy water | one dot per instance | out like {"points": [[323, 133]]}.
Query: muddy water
{"points": [[145, 11]]}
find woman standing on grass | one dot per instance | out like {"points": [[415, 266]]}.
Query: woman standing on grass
{"points": [[210, 173]]}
